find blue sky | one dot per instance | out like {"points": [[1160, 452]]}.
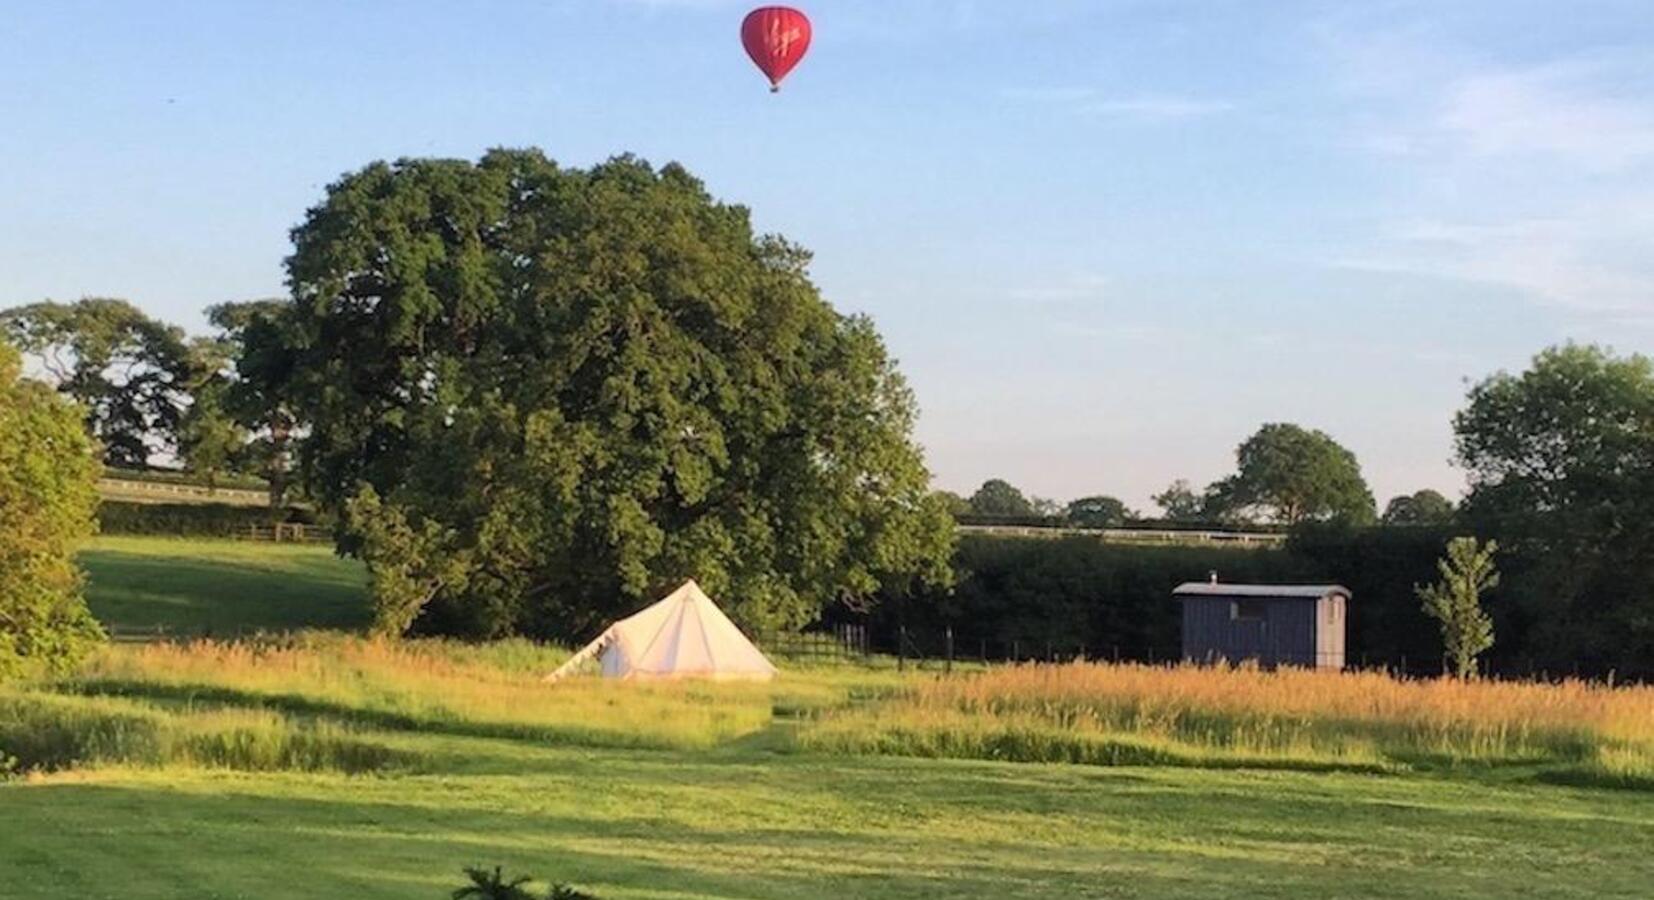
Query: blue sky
{"points": [[1107, 240]]}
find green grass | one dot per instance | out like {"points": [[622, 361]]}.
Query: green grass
{"points": [[747, 822], [219, 587], [226, 772]]}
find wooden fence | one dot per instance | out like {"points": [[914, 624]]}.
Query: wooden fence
{"points": [[285, 532], [1134, 535], [168, 492]]}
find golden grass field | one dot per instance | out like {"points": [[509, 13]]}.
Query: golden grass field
{"points": [[1227, 716]]}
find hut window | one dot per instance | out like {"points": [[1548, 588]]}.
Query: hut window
{"points": [[1248, 610]]}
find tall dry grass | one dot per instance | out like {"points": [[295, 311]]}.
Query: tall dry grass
{"points": [[490, 690], [47, 732], [1290, 717]]}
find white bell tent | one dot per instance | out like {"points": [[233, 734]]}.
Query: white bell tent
{"points": [[685, 635]]}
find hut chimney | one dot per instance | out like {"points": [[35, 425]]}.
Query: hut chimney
{"points": [[1212, 576]]}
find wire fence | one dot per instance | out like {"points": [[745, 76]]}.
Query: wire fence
{"points": [[944, 649]]}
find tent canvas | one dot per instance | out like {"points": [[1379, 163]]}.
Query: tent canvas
{"points": [[685, 635]]}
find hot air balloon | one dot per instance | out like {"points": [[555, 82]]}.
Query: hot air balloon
{"points": [[776, 37]]}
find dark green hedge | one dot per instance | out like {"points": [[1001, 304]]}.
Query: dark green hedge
{"points": [[1023, 596], [189, 519]]}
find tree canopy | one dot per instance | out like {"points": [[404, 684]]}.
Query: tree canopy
{"points": [[261, 338], [539, 394], [1179, 502], [1288, 475], [129, 373], [48, 477], [1098, 512], [1561, 466], [997, 497], [1425, 507]]}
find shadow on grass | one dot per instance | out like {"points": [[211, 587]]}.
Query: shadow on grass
{"points": [[301, 705]]}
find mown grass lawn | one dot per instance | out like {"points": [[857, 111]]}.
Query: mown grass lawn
{"points": [[747, 816], [745, 822], [207, 587]]}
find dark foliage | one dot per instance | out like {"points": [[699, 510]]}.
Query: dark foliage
{"points": [[190, 519]]}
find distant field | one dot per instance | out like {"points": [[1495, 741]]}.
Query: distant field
{"points": [[221, 587], [329, 765]]}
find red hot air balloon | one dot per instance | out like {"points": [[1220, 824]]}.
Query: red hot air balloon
{"points": [[776, 37]]}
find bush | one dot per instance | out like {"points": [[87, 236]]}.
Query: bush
{"points": [[48, 479], [191, 519]]}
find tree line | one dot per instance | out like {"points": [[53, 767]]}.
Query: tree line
{"points": [[529, 396], [1286, 476]]}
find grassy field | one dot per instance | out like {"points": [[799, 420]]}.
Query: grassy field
{"points": [[221, 587], [326, 765]]}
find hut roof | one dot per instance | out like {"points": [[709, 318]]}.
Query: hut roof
{"points": [[1283, 591]]}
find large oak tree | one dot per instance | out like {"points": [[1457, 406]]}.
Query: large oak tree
{"points": [[537, 395], [1560, 459]]}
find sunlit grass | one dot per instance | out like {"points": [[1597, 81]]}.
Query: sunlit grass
{"points": [[437, 685], [1218, 716], [47, 732]]}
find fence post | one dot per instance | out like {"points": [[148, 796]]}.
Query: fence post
{"points": [[901, 648], [948, 667], [1016, 651]]}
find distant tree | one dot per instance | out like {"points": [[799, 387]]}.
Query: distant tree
{"points": [[1426, 507], [211, 442], [1180, 503], [263, 340], [955, 505], [48, 494], [997, 497], [129, 373], [1098, 512], [486, 885], [568, 892], [1289, 475], [571, 388], [1046, 507], [1456, 601], [1560, 460]]}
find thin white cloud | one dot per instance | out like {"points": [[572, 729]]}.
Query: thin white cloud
{"points": [[1555, 111], [1157, 107], [1572, 262], [1086, 287], [1531, 177], [1089, 101]]}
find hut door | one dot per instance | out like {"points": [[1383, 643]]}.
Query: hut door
{"points": [[1249, 623]]}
